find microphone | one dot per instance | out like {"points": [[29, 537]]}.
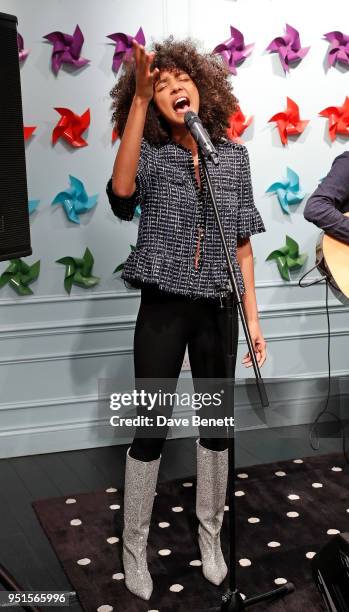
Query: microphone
{"points": [[201, 136]]}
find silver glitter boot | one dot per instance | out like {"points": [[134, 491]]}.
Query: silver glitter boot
{"points": [[140, 483], [212, 478]]}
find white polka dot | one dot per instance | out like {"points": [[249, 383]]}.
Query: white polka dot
{"points": [[112, 540], [274, 544], [310, 555], [196, 563], [105, 608], [155, 493], [177, 509], [242, 475], [163, 525], [118, 576], [84, 561], [226, 508], [280, 580], [153, 610], [337, 469], [245, 562], [292, 514], [111, 490], [164, 552], [317, 485], [332, 531], [70, 500], [280, 474], [253, 519], [187, 484], [293, 496], [175, 588], [239, 493], [75, 522], [298, 461], [347, 510], [114, 507], [243, 596]]}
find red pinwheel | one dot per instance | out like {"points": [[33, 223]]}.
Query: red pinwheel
{"points": [[114, 136], [338, 119], [238, 124], [28, 131], [289, 122], [71, 126]]}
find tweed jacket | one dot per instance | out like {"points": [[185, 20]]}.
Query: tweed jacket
{"points": [[173, 207]]}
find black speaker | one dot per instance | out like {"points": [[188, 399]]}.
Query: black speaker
{"points": [[331, 573], [14, 214]]}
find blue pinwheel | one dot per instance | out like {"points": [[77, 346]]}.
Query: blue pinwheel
{"points": [[287, 191], [32, 205], [75, 200]]}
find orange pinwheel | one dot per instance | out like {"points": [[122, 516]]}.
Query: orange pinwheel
{"points": [[338, 119], [71, 126], [289, 122], [238, 124]]}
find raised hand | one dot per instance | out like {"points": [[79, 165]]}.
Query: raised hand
{"points": [[145, 79]]}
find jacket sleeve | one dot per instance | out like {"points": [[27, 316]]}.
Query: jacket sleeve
{"points": [[249, 221], [323, 208], [124, 208]]}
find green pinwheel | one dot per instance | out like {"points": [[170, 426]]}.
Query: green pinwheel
{"points": [[121, 266], [78, 271], [19, 275], [288, 258]]}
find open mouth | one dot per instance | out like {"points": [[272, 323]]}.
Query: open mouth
{"points": [[181, 105]]}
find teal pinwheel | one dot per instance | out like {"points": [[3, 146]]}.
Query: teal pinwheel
{"points": [[75, 199], [19, 275], [32, 205], [288, 258], [79, 271], [287, 191], [121, 266]]}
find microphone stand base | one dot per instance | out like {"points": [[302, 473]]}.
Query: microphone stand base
{"points": [[232, 601]]}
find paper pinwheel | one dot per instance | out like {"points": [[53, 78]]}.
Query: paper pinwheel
{"points": [[233, 50], [19, 275], [288, 258], [238, 124], [33, 204], [338, 119], [121, 266], [288, 47], [28, 131], [339, 49], [123, 47], [114, 136], [66, 49], [75, 200], [22, 53], [287, 191], [289, 122], [138, 210], [78, 271], [71, 126]]}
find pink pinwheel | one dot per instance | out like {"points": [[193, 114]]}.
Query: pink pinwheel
{"points": [[289, 122], [66, 49], [339, 49], [238, 124], [288, 47], [22, 53], [71, 126], [234, 51], [338, 119], [123, 48]]}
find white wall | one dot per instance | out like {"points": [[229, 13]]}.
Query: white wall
{"points": [[55, 346]]}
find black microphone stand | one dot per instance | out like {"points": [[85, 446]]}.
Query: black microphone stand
{"points": [[232, 600]]}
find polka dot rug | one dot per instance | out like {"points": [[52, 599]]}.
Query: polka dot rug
{"points": [[286, 512]]}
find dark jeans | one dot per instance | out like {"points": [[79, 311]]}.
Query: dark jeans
{"points": [[166, 324]]}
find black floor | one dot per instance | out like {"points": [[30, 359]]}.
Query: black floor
{"points": [[24, 548]]}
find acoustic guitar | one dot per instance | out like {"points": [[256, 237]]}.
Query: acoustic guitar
{"points": [[332, 261]]}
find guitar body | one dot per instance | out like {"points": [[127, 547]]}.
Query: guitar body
{"points": [[332, 260]]}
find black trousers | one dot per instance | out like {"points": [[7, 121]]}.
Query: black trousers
{"points": [[166, 324]]}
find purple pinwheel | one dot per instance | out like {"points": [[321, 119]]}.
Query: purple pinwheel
{"points": [[123, 46], [288, 47], [66, 49], [22, 53], [339, 49], [234, 51]]}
